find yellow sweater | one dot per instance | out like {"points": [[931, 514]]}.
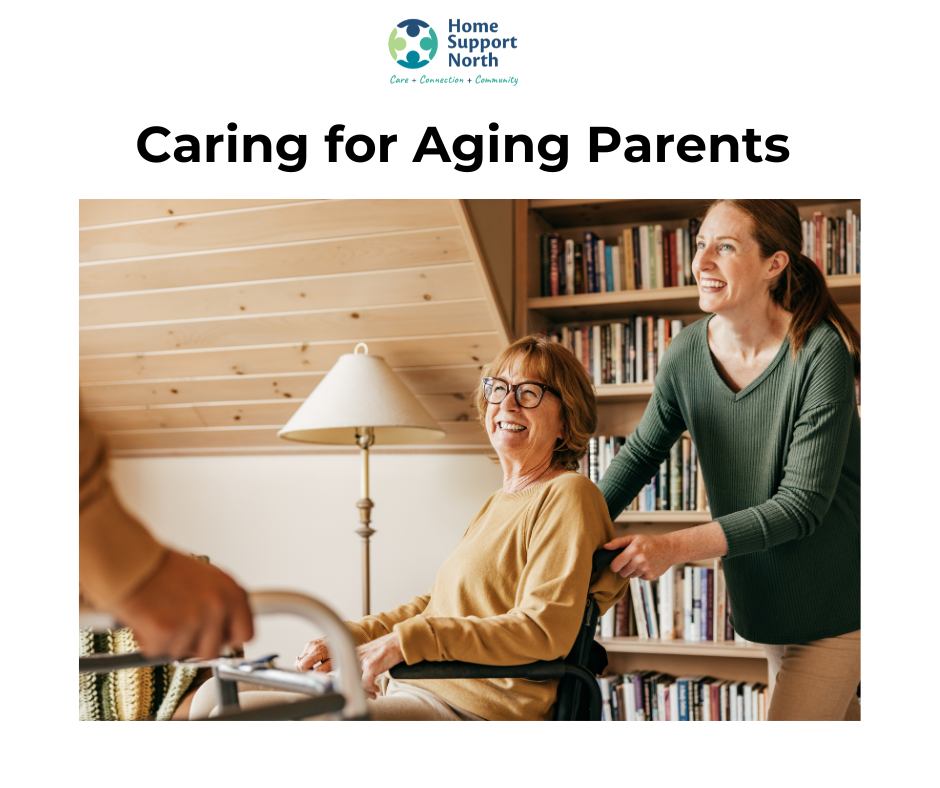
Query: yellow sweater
{"points": [[512, 592]]}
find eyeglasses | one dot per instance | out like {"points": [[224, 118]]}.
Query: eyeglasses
{"points": [[528, 394]]}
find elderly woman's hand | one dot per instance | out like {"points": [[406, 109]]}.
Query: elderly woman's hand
{"points": [[645, 557], [376, 657], [315, 656]]}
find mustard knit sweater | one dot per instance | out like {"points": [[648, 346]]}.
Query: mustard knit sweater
{"points": [[512, 592]]}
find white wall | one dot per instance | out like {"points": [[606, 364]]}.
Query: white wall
{"points": [[289, 522]]}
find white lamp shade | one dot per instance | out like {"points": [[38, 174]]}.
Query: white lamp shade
{"points": [[361, 391]]}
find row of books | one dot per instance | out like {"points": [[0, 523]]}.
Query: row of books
{"points": [[641, 258], [622, 352], [687, 603], [834, 244], [648, 696], [679, 486]]}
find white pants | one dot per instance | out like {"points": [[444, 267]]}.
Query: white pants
{"points": [[397, 701]]}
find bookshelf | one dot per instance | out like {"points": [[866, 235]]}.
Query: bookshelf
{"points": [[620, 407]]}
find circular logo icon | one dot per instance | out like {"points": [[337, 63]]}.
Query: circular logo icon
{"points": [[412, 43]]}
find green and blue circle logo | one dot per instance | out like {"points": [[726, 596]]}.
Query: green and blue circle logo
{"points": [[412, 43]]}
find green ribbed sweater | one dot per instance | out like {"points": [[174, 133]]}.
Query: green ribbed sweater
{"points": [[781, 463]]}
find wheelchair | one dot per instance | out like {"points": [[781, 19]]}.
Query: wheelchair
{"points": [[578, 696]]}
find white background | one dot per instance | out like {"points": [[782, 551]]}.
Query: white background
{"points": [[851, 85]]}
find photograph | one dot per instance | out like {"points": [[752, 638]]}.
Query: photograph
{"points": [[663, 393]]}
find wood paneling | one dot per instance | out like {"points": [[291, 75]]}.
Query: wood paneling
{"points": [[290, 223], [420, 380], [332, 256], [331, 324], [96, 212], [411, 351], [407, 286], [458, 434], [443, 407], [204, 324]]}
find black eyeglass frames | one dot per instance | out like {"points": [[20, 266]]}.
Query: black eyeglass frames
{"points": [[528, 394]]}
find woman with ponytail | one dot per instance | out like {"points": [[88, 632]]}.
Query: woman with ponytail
{"points": [[765, 385]]}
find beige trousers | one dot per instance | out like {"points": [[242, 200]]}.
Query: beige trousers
{"points": [[816, 680], [398, 701]]}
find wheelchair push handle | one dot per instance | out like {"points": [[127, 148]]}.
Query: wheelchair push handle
{"points": [[602, 558]]}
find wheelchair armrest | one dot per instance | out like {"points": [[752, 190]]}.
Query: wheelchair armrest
{"points": [[556, 669], [469, 670]]}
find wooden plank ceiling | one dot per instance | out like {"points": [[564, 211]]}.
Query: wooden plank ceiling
{"points": [[205, 323]]}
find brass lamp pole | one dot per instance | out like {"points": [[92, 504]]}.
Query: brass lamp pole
{"points": [[360, 390]]}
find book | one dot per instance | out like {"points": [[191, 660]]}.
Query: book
{"points": [[569, 267], [600, 266], [667, 583], [590, 279], [629, 273], [696, 633], [721, 594]]}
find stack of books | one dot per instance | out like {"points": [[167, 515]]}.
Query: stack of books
{"points": [[679, 486], [648, 696], [834, 244], [640, 258], [622, 352]]}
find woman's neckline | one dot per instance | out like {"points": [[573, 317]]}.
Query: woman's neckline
{"points": [[736, 395]]}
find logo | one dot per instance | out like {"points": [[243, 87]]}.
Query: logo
{"points": [[412, 43]]}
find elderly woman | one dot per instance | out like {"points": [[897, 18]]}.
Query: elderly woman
{"points": [[513, 590]]}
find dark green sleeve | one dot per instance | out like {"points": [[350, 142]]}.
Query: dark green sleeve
{"points": [[661, 426], [814, 463]]}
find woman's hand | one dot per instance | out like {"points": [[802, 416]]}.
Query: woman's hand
{"points": [[645, 557], [376, 657], [314, 656]]}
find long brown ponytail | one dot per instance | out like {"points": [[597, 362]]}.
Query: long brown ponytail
{"points": [[801, 289]]}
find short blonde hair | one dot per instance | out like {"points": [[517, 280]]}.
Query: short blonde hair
{"points": [[557, 367]]}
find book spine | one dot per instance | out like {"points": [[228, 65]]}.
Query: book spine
{"points": [[569, 267], [617, 258], [667, 630], [710, 611], [818, 249], [629, 273], [703, 632], [696, 603], [687, 262], [590, 279], [675, 477], [688, 592], [658, 247], [693, 477], [637, 259], [596, 369], [686, 485], [720, 595], [650, 348], [600, 266], [651, 608], [642, 630], [683, 686], [546, 266], [678, 601], [701, 498], [609, 269], [579, 274], [554, 264], [644, 231], [647, 698], [675, 265]]}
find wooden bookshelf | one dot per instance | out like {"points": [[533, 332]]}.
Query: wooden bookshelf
{"points": [[620, 407], [697, 648]]}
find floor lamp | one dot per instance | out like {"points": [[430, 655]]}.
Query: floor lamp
{"points": [[361, 402]]}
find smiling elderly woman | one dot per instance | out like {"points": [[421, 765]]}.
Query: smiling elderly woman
{"points": [[513, 590]]}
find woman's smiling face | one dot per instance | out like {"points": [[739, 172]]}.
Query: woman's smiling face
{"points": [[727, 265], [526, 435]]}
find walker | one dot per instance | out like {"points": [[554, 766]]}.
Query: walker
{"points": [[340, 694]]}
